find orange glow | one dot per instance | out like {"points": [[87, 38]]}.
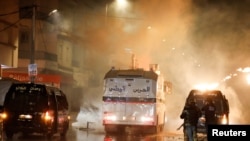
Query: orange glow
{"points": [[3, 115], [47, 116], [110, 117], [204, 87], [122, 3], [147, 119], [224, 119], [40, 78], [248, 79]]}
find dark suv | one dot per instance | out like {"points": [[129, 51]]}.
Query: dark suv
{"points": [[220, 101], [35, 108]]}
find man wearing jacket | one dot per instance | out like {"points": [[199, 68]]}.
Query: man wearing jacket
{"points": [[210, 109], [190, 114]]}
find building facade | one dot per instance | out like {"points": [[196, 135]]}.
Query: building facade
{"points": [[31, 33]]}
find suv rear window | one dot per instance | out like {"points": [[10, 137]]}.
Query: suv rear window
{"points": [[22, 97], [218, 98]]}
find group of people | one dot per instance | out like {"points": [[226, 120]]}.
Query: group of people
{"points": [[191, 114]]}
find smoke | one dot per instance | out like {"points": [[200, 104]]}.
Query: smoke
{"points": [[90, 114], [193, 41]]}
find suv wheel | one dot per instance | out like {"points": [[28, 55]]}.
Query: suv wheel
{"points": [[65, 129]]}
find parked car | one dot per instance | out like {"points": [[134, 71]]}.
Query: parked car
{"points": [[35, 108], [220, 101], [5, 83]]}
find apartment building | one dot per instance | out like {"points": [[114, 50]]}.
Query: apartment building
{"points": [[32, 35]]}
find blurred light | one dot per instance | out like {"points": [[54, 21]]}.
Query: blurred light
{"points": [[122, 3], [247, 69], [248, 79], [110, 117], [230, 76], [107, 138], [52, 12], [239, 69], [22, 116], [204, 87], [121, 6], [5, 66], [224, 120], [3, 115], [47, 116], [227, 78], [147, 119]]}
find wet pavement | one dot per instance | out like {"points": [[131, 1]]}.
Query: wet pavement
{"points": [[89, 132]]}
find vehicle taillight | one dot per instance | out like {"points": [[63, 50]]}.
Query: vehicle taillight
{"points": [[147, 119], [109, 117], [107, 138], [47, 116], [224, 120], [3, 115]]}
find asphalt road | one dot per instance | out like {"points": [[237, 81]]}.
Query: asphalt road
{"points": [[84, 133]]}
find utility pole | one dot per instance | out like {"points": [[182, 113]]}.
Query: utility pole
{"points": [[32, 69], [32, 49]]}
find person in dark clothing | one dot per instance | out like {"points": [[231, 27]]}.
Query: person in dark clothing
{"points": [[210, 112], [191, 114]]}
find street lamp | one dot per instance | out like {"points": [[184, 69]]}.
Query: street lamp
{"points": [[119, 4], [52, 12]]}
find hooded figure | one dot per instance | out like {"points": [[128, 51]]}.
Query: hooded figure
{"points": [[210, 112], [191, 114]]}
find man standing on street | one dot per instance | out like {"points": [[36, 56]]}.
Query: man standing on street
{"points": [[209, 110], [191, 114]]}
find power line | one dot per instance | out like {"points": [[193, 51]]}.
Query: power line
{"points": [[9, 26], [6, 14], [13, 24]]}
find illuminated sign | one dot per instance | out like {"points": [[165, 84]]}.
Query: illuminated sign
{"points": [[40, 78]]}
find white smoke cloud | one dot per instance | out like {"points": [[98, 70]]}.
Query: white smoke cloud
{"points": [[192, 41]]}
